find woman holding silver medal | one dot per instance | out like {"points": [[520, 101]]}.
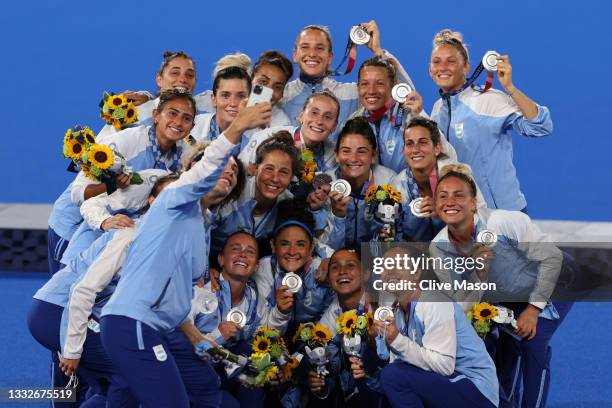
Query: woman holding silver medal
{"points": [[524, 269], [356, 154], [386, 104], [354, 366], [313, 54], [436, 357], [479, 123], [423, 151], [229, 317]]}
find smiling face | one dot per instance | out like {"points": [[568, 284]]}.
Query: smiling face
{"points": [[344, 272], [419, 150], [448, 68], [226, 183], [227, 98], [312, 52], [178, 74], [174, 122], [292, 247], [272, 77], [455, 203], [239, 257], [273, 175], [355, 156], [374, 87], [318, 119]]}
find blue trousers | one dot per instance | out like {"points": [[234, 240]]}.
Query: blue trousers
{"points": [[95, 368], [56, 246], [407, 386], [234, 392], [528, 361], [200, 379], [142, 355]]}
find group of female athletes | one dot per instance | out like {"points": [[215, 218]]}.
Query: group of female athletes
{"points": [[141, 276]]}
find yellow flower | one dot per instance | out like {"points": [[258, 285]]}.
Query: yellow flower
{"points": [[321, 334], [483, 311], [369, 318], [290, 367], [73, 149], [371, 193], [261, 345], [130, 114], [88, 173], [100, 156], [115, 101], [272, 373], [67, 135], [88, 135], [349, 319]]}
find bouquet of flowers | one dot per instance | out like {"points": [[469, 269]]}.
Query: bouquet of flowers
{"points": [[97, 161], [353, 327], [383, 204], [483, 315], [270, 359], [116, 110], [315, 338]]}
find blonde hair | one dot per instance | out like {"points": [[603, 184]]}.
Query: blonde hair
{"points": [[460, 171], [236, 59], [452, 38], [194, 151]]}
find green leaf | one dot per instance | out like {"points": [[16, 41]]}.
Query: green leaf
{"points": [[135, 178]]}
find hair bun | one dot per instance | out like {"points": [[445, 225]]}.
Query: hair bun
{"points": [[460, 168]]}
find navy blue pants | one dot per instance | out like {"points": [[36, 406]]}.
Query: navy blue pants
{"points": [[200, 379], [95, 368], [407, 386], [528, 361], [242, 396], [141, 353], [56, 246]]}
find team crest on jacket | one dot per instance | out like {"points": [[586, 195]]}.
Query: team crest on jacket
{"points": [[459, 130], [160, 353]]}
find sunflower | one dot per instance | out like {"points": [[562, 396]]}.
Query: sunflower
{"points": [[130, 114], [395, 196], [261, 345], [73, 149], [308, 172], [321, 334], [348, 322], [88, 136], [272, 373], [387, 188], [115, 101], [100, 156], [290, 367], [369, 318], [68, 135], [370, 193], [117, 124], [483, 311], [87, 172]]}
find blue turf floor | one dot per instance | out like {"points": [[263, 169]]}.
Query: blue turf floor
{"points": [[582, 360]]}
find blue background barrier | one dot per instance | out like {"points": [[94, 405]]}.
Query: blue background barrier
{"points": [[58, 58]]}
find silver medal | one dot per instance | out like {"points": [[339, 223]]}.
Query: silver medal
{"points": [[486, 237], [400, 92], [359, 36], [237, 316], [209, 302], [293, 282], [341, 186], [382, 313], [489, 61], [415, 207]]}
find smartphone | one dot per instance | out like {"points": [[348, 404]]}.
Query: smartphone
{"points": [[260, 94]]}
